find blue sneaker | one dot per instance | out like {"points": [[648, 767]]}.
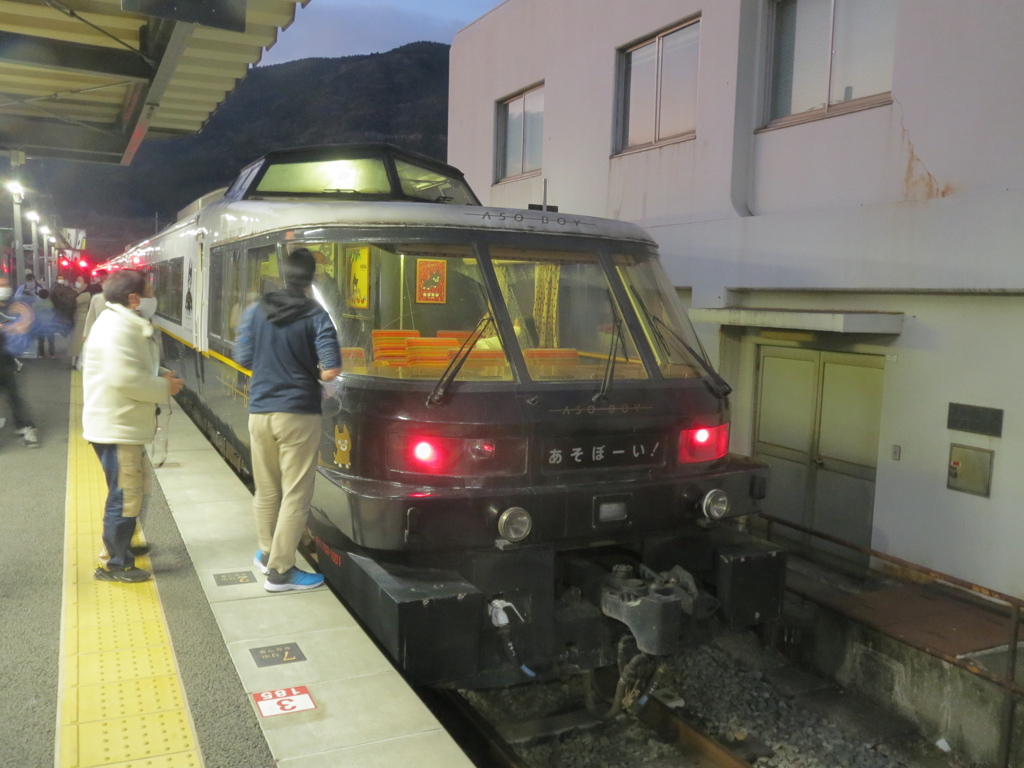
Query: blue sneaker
{"points": [[260, 560], [293, 578]]}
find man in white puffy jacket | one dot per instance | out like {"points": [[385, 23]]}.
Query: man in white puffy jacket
{"points": [[122, 383]]}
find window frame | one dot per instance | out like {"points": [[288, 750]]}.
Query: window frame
{"points": [[501, 173], [620, 144], [881, 99]]}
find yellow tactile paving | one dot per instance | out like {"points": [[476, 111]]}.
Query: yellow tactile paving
{"points": [[122, 704]]}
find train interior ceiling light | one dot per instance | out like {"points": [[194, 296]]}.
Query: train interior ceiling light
{"points": [[92, 87]]}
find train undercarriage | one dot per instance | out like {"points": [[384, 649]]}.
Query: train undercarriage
{"points": [[491, 618]]}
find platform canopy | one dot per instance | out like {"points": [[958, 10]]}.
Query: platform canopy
{"points": [[90, 79]]}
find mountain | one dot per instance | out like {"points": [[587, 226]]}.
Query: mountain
{"points": [[400, 96]]}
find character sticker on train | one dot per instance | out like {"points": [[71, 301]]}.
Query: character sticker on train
{"points": [[342, 446], [359, 277]]}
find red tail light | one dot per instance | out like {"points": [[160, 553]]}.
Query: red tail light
{"points": [[456, 456], [703, 444]]}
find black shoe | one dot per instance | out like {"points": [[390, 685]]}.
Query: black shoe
{"points": [[140, 550], [129, 575]]}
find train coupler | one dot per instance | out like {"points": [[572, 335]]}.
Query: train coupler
{"points": [[652, 605]]}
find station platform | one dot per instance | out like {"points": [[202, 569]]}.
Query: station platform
{"points": [[198, 667]]}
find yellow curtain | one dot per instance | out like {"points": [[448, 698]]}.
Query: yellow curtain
{"points": [[545, 304]]}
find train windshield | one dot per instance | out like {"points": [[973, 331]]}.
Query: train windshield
{"points": [[565, 317], [406, 310], [361, 177], [668, 332]]}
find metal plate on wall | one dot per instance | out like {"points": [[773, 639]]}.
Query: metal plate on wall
{"points": [[970, 469]]}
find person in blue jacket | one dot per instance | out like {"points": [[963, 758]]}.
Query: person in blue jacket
{"points": [[289, 343]]}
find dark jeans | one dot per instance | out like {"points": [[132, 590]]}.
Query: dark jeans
{"points": [[123, 469], [9, 384], [45, 337]]}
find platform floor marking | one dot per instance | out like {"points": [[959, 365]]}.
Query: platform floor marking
{"points": [[121, 700]]}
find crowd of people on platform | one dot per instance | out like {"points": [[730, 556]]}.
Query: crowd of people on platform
{"points": [[37, 315], [286, 339]]}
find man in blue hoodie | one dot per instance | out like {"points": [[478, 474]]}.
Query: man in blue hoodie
{"points": [[289, 343]]}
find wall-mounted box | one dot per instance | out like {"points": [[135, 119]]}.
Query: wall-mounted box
{"points": [[970, 469]]}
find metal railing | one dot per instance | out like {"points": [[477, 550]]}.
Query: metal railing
{"points": [[1013, 604]]}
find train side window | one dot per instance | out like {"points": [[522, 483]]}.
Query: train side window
{"points": [[219, 288], [246, 277], [168, 286]]}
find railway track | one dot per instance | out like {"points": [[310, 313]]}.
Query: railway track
{"points": [[509, 744]]}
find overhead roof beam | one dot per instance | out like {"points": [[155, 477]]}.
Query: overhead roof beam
{"points": [[72, 57], [177, 43], [43, 137]]}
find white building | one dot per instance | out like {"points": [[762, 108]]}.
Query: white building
{"points": [[837, 187]]}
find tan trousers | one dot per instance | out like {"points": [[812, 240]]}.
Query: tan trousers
{"points": [[284, 453]]}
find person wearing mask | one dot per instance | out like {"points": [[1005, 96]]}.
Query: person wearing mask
{"points": [[45, 326], [82, 299], [30, 287], [23, 424], [63, 297], [96, 304], [289, 343], [122, 383]]}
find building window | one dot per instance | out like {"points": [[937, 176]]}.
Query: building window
{"points": [[659, 88], [521, 134], [826, 53]]}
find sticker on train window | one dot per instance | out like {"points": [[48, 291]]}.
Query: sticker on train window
{"points": [[431, 281]]}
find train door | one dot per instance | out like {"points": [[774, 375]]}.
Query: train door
{"points": [[818, 417]]}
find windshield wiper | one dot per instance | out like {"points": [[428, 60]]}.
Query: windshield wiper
{"points": [[721, 386], [455, 365], [609, 366]]}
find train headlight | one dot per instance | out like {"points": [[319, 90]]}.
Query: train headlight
{"points": [[715, 504], [482, 449], [515, 524]]}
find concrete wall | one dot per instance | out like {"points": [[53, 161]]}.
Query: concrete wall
{"points": [[943, 701], [914, 205]]}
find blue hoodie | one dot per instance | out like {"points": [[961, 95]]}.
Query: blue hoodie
{"points": [[281, 339]]}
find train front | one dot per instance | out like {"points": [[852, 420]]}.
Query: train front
{"points": [[524, 465]]}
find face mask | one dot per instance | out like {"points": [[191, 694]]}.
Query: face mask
{"points": [[147, 307], [61, 281], [5, 293], [80, 286]]}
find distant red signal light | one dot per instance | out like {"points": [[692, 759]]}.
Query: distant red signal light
{"points": [[65, 263], [83, 263]]}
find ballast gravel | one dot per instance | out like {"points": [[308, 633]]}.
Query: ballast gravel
{"points": [[723, 689]]}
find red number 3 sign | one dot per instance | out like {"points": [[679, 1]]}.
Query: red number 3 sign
{"points": [[283, 701]]}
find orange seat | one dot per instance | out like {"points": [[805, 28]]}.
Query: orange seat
{"points": [[426, 351], [390, 347]]}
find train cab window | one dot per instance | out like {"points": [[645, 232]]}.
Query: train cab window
{"points": [[668, 331], [567, 322], [405, 310], [361, 176], [423, 184]]}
